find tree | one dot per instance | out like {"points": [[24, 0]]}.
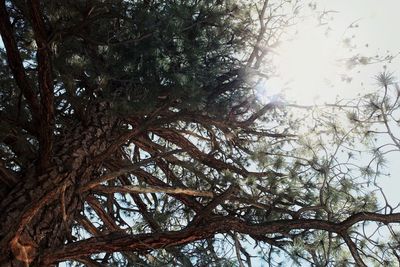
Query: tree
{"points": [[131, 134]]}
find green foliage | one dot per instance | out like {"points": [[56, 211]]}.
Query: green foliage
{"points": [[142, 54]]}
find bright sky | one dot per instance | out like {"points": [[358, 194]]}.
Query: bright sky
{"points": [[310, 68]]}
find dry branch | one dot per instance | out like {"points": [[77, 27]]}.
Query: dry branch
{"points": [[152, 189]]}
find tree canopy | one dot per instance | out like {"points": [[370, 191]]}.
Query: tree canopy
{"points": [[131, 134]]}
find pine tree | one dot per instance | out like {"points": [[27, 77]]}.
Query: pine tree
{"points": [[131, 135]]}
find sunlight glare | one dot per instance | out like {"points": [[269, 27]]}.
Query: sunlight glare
{"points": [[308, 66]]}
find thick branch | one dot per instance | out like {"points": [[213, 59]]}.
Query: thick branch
{"points": [[370, 216], [15, 61], [45, 80], [106, 218], [217, 224], [89, 227], [354, 252]]}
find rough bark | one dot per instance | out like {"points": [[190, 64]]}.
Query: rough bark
{"points": [[39, 211]]}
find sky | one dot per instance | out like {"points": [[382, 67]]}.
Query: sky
{"points": [[311, 64], [311, 69]]}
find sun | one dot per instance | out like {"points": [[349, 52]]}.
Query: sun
{"points": [[307, 65]]}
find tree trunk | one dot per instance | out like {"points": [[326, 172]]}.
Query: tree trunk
{"points": [[38, 213]]}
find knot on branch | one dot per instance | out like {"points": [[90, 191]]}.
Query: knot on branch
{"points": [[23, 251]]}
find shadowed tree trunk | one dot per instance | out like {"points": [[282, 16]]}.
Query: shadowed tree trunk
{"points": [[40, 209]]}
